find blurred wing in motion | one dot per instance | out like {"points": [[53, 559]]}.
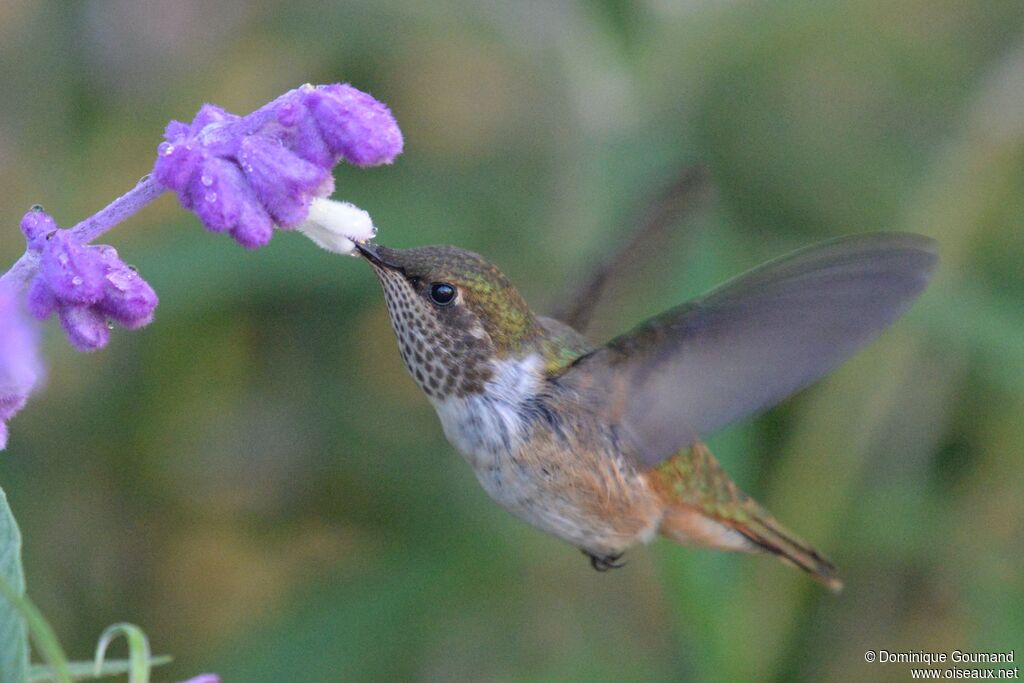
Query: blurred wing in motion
{"points": [[753, 341]]}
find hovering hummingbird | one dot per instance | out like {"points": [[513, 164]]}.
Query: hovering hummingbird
{"points": [[601, 446]]}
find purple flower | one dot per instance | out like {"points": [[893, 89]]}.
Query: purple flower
{"points": [[19, 359], [284, 182], [88, 286], [244, 175], [355, 125], [204, 678]]}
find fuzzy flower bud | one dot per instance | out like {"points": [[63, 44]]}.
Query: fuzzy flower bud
{"points": [[245, 175], [20, 367], [336, 226], [355, 125], [284, 182], [88, 286]]}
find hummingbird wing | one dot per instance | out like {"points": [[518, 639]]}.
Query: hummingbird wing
{"points": [[751, 342]]}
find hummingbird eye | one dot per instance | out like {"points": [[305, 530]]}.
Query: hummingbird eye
{"points": [[442, 293]]}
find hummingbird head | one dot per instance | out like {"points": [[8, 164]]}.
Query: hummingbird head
{"points": [[453, 313]]}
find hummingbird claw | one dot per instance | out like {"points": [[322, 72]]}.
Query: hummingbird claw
{"points": [[603, 563]]}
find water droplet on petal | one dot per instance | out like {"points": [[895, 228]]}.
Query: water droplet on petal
{"points": [[206, 180], [110, 324], [38, 208], [165, 149], [76, 281], [144, 179], [132, 268], [211, 197], [63, 259], [120, 279]]}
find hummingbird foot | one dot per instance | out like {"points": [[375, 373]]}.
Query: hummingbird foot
{"points": [[603, 563]]}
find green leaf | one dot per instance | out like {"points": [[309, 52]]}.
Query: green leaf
{"points": [[81, 671], [138, 651], [42, 634], [13, 636]]}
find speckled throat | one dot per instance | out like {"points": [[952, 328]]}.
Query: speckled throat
{"points": [[450, 359]]}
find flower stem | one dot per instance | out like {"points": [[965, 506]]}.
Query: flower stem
{"points": [[121, 208], [92, 227], [23, 269]]}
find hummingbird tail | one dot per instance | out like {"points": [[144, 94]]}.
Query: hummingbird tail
{"points": [[769, 536], [703, 507]]}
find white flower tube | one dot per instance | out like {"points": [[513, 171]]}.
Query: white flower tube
{"points": [[336, 226]]}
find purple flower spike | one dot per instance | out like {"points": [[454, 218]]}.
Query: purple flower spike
{"points": [[85, 327], [223, 199], [284, 182], [73, 271], [41, 301], [127, 299], [88, 286], [37, 227], [20, 368], [176, 162], [302, 133], [355, 125], [210, 113], [246, 175], [254, 227]]}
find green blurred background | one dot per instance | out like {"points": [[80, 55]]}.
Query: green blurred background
{"points": [[255, 480]]}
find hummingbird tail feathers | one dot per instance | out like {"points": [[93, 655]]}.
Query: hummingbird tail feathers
{"points": [[703, 507], [769, 536]]}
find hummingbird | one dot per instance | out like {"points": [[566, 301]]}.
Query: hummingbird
{"points": [[602, 446]]}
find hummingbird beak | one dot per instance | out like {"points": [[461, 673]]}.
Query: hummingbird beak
{"points": [[372, 253]]}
